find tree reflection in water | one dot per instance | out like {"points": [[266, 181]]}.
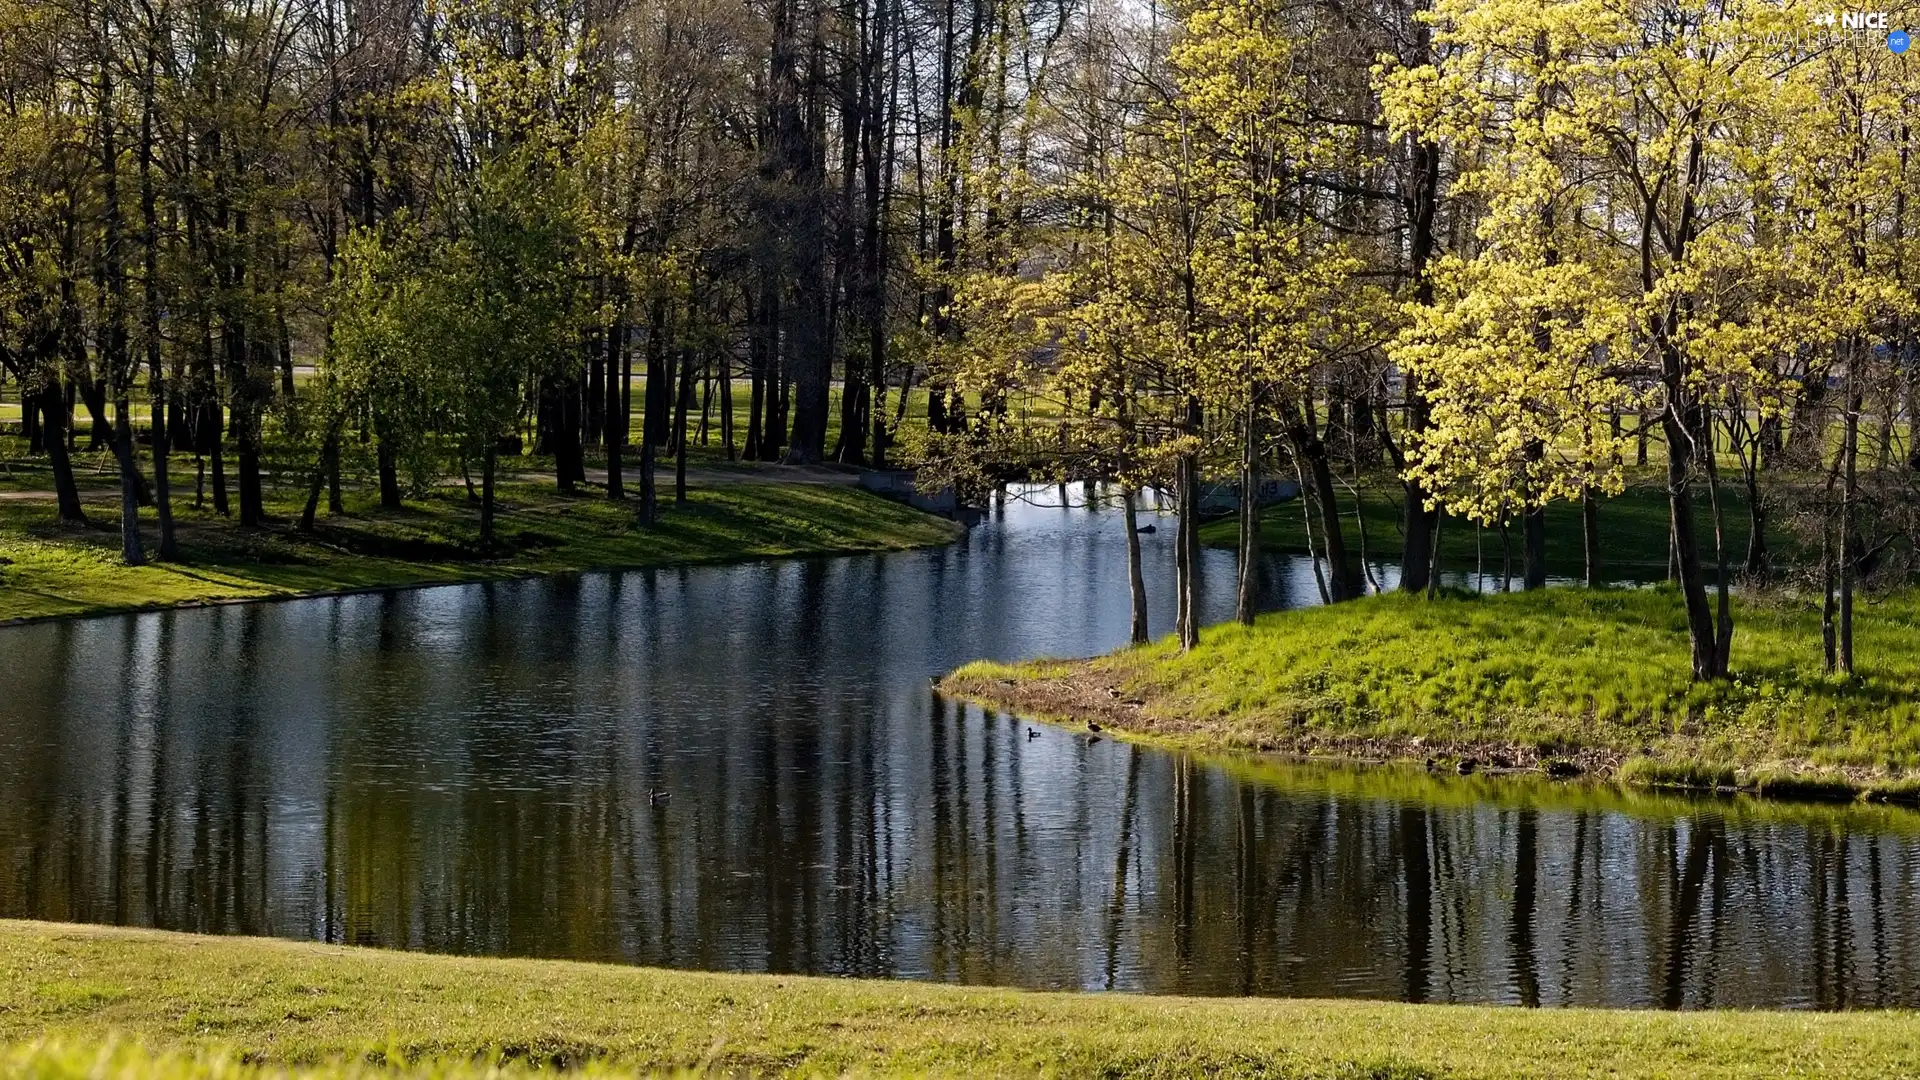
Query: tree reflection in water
{"points": [[474, 769]]}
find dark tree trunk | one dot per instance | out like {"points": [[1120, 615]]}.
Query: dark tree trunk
{"points": [[1248, 598], [757, 382], [619, 404], [1344, 583], [561, 396], [52, 397], [1186, 619], [486, 497], [726, 402], [1759, 561], [1590, 534], [161, 398], [388, 467], [1533, 531], [322, 471], [1849, 498], [1701, 630], [117, 362], [1422, 208], [1136, 581], [655, 428], [680, 427]]}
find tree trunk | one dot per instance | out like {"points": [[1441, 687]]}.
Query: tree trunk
{"points": [[119, 369], [1701, 632], [53, 412], [322, 470], [1186, 619], [1136, 582], [1759, 560], [161, 399], [1343, 583], [1533, 532], [387, 464], [680, 427], [1590, 534], [1849, 498], [618, 407], [1423, 203], [726, 402], [1248, 598], [130, 552], [486, 496]]}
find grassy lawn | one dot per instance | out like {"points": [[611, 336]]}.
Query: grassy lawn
{"points": [[184, 1005], [50, 569], [1633, 532], [1598, 677]]}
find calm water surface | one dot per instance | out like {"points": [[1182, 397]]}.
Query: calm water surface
{"points": [[743, 768]]}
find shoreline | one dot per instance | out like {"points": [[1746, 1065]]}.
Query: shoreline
{"points": [[1573, 690], [1071, 694], [1071, 701], [452, 582], [62, 573]]}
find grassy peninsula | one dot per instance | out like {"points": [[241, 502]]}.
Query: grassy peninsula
{"points": [[50, 569], [1592, 679], [91, 1001]]}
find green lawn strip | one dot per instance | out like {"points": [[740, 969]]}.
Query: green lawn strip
{"points": [[1633, 533], [291, 1004], [52, 570], [1599, 678]]}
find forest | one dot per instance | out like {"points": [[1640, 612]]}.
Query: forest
{"points": [[1496, 255]]}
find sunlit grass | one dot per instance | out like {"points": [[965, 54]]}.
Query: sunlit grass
{"points": [[1555, 671], [50, 569], [91, 1002]]}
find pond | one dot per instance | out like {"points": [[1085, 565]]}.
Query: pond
{"points": [[744, 768]]}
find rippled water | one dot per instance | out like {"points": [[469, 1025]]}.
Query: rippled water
{"points": [[744, 768]]}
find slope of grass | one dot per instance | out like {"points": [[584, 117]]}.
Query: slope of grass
{"points": [[1598, 676], [155, 1004], [49, 569]]}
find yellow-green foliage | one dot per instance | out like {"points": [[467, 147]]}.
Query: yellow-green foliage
{"points": [[1559, 667], [77, 1001]]}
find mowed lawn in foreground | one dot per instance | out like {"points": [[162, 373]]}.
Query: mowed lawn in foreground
{"points": [[51, 569], [178, 1005]]}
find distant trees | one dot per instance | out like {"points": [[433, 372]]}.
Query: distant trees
{"points": [[1534, 239], [757, 191], [1491, 253]]}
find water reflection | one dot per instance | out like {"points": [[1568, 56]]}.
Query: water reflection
{"points": [[743, 768]]}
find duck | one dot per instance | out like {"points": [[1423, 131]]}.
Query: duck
{"points": [[658, 797]]}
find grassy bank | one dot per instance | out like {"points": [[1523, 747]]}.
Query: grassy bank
{"points": [[1598, 679], [191, 1002], [47, 569]]}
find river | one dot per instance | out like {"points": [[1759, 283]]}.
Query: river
{"points": [[743, 768]]}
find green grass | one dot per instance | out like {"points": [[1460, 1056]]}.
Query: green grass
{"points": [[47, 569], [169, 1005], [1599, 676], [1633, 533]]}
